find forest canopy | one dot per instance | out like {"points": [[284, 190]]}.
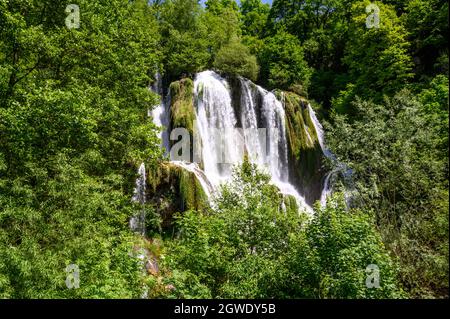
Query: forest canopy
{"points": [[74, 129]]}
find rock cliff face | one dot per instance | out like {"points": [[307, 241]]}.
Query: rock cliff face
{"points": [[305, 152], [294, 159], [175, 189]]}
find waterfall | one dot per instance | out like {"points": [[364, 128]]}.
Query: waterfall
{"points": [[160, 114], [223, 146], [275, 122], [137, 222], [206, 184], [339, 167], [319, 130], [225, 129], [215, 119], [250, 124], [326, 190], [160, 118]]}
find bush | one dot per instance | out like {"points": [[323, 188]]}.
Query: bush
{"points": [[398, 152], [248, 247], [283, 64], [234, 58]]}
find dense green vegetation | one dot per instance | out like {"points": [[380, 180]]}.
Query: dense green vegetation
{"points": [[235, 58], [248, 247], [74, 129]]}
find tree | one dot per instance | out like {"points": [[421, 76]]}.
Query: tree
{"points": [[427, 24], [73, 128], [248, 247], [300, 18], [192, 36], [234, 58], [183, 38], [383, 66], [344, 246], [233, 250], [400, 171], [254, 16], [222, 21], [282, 63]]}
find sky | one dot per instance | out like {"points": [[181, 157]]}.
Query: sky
{"points": [[264, 1]]}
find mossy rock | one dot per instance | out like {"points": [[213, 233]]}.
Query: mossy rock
{"points": [[173, 189], [300, 129], [306, 157], [290, 203], [182, 113]]}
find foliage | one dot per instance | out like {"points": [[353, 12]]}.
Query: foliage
{"points": [[74, 128], [254, 16], [427, 23], [409, 196], [234, 58], [248, 248], [183, 38], [182, 106], [282, 63], [77, 220], [343, 244], [384, 66], [192, 36], [72, 124], [304, 147]]}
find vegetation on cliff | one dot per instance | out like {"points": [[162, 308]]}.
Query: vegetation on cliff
{"points": [[74, 128], [182, 112]]}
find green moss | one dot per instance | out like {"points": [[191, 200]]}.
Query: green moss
{"points": [[191, 191], [305, 151], [187, 190], [154, 178], [200, 90], [182, 112], [278, 93], [290, 203], [300, 129]]}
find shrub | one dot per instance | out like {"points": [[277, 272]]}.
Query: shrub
{"points": [[234, 58]]}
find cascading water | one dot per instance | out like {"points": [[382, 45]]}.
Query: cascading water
{"points": [[160, 114], [263, 137], [319, 130], [326, 190], [216, 119], [250, 124], [339, 167], [207, 186], [274, 120], [160, 118], [137, 222]]}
